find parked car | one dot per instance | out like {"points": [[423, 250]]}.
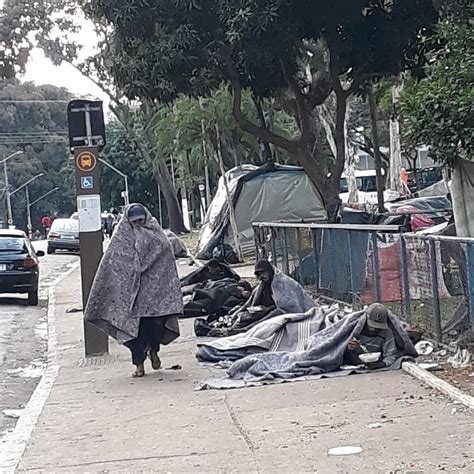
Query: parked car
{"points": [[19, 271], [64, 235]]}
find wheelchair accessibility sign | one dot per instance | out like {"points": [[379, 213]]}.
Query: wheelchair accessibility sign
{"points": [[87, 182]]}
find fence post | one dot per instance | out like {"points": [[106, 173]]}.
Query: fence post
{"points": [[376, 265], [300, 259], [405, 279], [314, 245], [286, 267], [435, 291], [351, 266], [273, 243], [470, 284]]}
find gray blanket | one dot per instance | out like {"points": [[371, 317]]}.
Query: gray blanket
{"points": [[323, 352], [289, 297], [179, 249], [137, 278], [287, 332]]}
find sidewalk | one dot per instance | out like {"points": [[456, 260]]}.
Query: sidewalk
{"points": [[98, 419]]}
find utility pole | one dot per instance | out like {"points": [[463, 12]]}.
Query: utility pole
{"points": [[87, 138], [7, 186], [28, 213]]}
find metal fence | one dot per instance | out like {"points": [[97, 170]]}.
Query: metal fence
{"points": [[427, 280]]}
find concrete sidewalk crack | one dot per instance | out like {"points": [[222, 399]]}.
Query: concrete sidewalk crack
{"points": [[239, 426]]}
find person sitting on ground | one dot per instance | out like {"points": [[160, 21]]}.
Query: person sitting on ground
{"points": [[376, 336], [213, 271]]}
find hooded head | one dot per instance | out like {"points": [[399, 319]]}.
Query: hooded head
{"points": [[264, 271], [136, 215]]}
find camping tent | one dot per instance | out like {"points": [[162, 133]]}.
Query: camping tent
{"points": [[269, 193]]}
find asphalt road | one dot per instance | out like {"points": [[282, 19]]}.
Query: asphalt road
{"points": [[23, 333]]}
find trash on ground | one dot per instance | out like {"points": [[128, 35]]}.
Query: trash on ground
{"points": [[375, 425], [424, 347], [345, 450], [430, 366], [461, 359], [12, 413], [174, 367]]}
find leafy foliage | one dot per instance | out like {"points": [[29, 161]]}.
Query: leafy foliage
{"points": [[439, 109], [39, 129]]}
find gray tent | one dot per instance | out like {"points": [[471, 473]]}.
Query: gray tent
{"points": [[267, 193]]}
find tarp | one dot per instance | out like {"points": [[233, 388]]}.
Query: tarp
{"points": [[267, 193]]}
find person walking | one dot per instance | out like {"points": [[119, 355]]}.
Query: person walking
{"points": [[136, 295]]}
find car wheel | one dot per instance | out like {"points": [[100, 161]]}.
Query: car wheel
{"points": [[50, 250], [33, 298]]}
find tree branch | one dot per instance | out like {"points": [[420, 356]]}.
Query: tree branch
{"points": [[244, 123]]}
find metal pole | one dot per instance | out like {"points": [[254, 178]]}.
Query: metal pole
{"points": [[160, 209], [376, 266], [405, 280], [127, 196], [43, 196], [435, 291], [28, 213], [208, 188], [7, 191], [469, 249]]}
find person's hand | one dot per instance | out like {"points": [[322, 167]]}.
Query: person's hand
{"points": [[353, 345]]}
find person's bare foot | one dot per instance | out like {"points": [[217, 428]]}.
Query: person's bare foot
{"points": [[139, 371], [155, 360]]}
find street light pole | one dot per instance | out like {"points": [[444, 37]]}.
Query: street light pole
{"points": [[28, 213], [126, 198], [7, 186]]}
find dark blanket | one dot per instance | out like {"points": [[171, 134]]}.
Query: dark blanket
{"points": [[137, 278], [323, 352], [203, 274], [214, 299], [288, 297]]}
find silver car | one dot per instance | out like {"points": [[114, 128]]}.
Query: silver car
{"points": [[64, 235]]}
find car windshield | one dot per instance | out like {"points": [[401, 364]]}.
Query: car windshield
{"points": [[12, 244], [68, 225]]}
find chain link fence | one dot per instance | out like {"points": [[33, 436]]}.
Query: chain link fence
{"points": [[427, 280]]}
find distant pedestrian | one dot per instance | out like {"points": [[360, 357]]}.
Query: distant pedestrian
{"points": [[46, 223], [136, 296], [109, 225]]}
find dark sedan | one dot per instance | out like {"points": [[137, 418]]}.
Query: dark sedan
{"points": [[64, 235], [19, 272]]}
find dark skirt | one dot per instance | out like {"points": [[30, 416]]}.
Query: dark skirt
{"points": [[151, 333]]}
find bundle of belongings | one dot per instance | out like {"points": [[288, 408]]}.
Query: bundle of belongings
{"points": [[275, 294], [213, 291], [179, 249], [299, 338]]}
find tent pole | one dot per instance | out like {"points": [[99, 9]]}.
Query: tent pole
{"points": [[233, 222]]}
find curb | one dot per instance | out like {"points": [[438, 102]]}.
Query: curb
{"points": [[441, 385], [14, 443]]}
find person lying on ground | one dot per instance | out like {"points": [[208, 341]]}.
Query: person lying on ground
{"points": [[274, 295], [136, 295], [213, 271], [376, 336]]}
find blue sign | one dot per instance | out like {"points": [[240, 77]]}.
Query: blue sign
{"points": [[87, 182]]}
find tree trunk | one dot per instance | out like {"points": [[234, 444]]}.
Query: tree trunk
{"points": [[375, 139], [395, 145], [175, 214], [266, 150]]}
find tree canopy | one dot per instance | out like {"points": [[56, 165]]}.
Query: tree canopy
{"points": [[439, 109]]}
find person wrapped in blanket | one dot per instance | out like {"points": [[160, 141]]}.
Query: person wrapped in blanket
{"points": [[274, 295], [375, 337]]}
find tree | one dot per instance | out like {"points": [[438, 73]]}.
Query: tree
{"points": [[33, 119], [296, 51], [439, 110]]}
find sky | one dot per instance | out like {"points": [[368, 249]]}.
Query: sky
{"points": [[42, 71]]}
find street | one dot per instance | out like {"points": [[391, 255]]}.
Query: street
{"points": [[23, 334]]}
